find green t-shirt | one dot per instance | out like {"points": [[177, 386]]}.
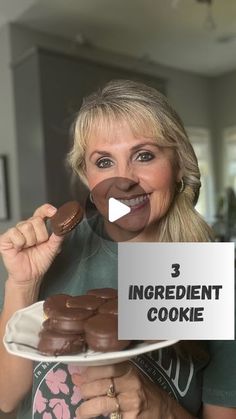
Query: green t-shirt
{"points": [[219, 379], [89, 261]]}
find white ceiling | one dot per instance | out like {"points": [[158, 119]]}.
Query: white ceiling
{"points": [[169, 32]]}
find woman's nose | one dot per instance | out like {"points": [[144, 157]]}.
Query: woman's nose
{"points": [[127, 175], [125, 184]]}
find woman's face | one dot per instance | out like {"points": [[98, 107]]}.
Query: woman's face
{"points": [[132, 169]]}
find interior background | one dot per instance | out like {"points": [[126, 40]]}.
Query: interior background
{"points": [[187, 45]]}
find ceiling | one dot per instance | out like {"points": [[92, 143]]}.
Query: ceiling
{"points": [[185, 34]]}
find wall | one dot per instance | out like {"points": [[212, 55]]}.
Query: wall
{"points": [[7, 138], [193, 96], [188, 93], [7, 142], [14, 42], [223, 105]]}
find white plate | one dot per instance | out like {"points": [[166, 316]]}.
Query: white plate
{"points": [[21, 339]]}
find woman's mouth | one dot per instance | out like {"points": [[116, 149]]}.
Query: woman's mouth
{"points": [[135, 202]]}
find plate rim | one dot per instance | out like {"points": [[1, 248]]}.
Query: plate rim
{"points": [[79, 359]]}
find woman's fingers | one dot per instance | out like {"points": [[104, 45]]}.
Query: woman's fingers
{"points": [[29, 232], [96, 407], [29, 245], [101, 387], [12, 239], [130, 404], [45, 211], [95, 388], [33, 230], [26, 229], [96, 373], [40, 229], [126, 384], [54, 243]]}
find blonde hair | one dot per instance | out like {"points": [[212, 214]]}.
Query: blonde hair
{"points": [[147, 112]]}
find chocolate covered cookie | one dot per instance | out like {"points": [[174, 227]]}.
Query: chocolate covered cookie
{"points": [[101, 333], [66, 218], [66, 320], [75, 323], [87, 302], [53, 302], [104, 293], [53, 343], [109, 307]]}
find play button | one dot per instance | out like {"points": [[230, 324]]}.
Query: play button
{"points": [[116, 209]]}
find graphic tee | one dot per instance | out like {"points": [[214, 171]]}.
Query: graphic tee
{"points": [[55, 396], [89, 260]]}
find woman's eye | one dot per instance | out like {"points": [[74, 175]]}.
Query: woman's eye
{"points": [[145, 156], [103, 163]]}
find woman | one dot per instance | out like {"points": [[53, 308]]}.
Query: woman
{"points": [[128, 144]]}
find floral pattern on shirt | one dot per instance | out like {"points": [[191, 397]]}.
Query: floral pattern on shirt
{"points": [[55, 397]]}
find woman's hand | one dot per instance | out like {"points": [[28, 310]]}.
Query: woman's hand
{"points": [[135, 396], [27, 250]]}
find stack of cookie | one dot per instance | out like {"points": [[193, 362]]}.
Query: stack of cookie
{"points": [[74, 324]]}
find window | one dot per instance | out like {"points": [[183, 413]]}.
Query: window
{"points": [[200, 140], [229, 136]]}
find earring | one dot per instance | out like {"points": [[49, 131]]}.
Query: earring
{"points": [[182, 186], [91, 197]]}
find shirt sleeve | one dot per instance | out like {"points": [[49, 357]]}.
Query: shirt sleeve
{"points": [[219, 378]]}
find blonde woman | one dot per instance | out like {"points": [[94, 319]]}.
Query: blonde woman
{"points": [[127, 138]]}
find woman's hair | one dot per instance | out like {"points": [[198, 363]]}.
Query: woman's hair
{"points": [[148, 113]]}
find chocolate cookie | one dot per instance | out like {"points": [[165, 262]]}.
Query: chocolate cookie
{"points": [[109, 307], [105, 293], [87, 302], [75, 323], [66, 218], [67, 320], [53, 343], [57, 301], [101, 333]]}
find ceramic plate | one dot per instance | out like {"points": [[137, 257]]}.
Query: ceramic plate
{"points": [[21, 339]]}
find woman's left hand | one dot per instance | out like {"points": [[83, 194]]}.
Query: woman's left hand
{"points": [[135, 396]]}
